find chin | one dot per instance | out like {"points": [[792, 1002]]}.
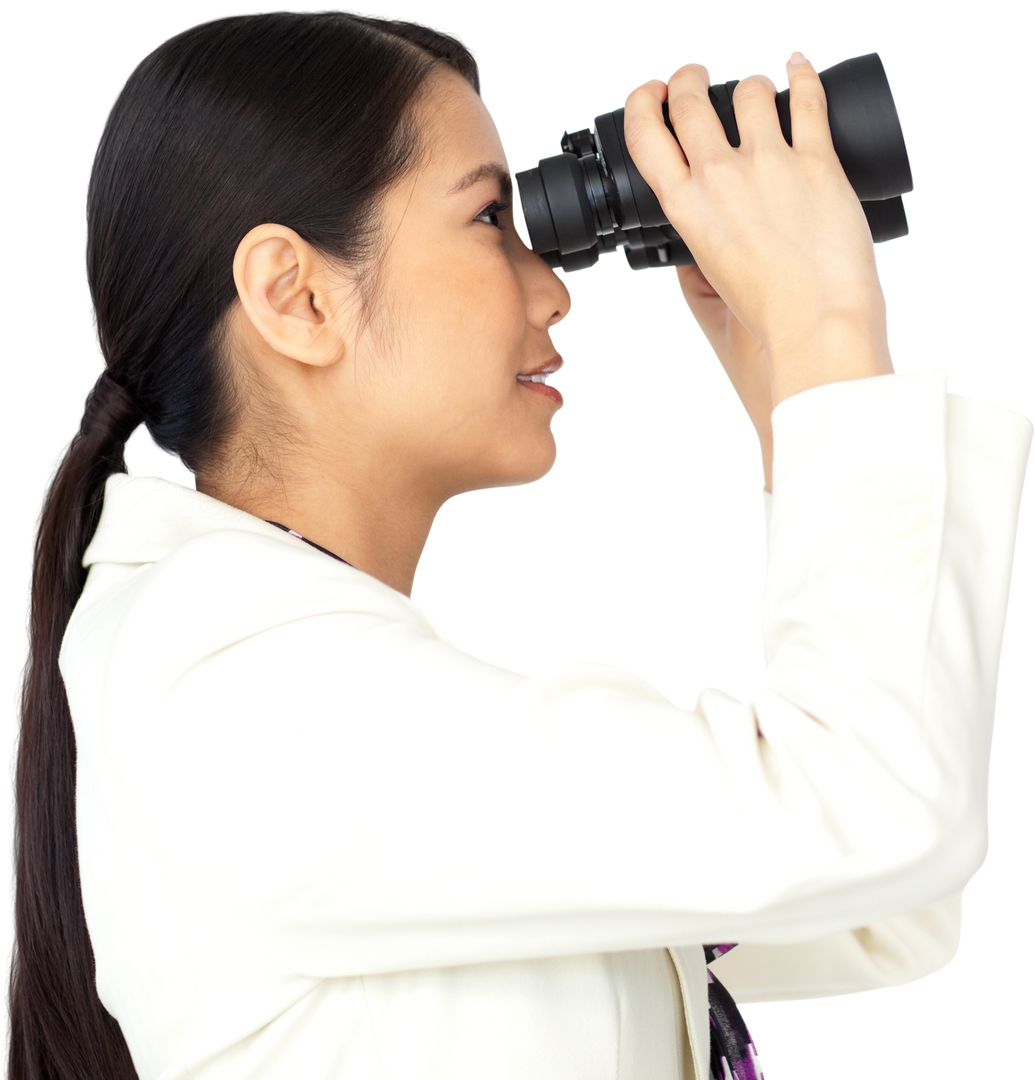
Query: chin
{"points": [[516, 481], [540, 475]]}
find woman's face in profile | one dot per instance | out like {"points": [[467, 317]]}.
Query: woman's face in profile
{"points": [[463, 309]]}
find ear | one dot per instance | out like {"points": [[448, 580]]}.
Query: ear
{"points": [[291, 295]]}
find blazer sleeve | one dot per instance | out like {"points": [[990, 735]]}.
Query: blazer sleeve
{"points": [[887, 955], [889, 952], [335, 785]]}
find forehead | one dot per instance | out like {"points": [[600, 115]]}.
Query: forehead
{"points": [[459, 134]]}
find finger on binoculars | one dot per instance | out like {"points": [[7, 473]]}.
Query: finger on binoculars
{"points": [[753, 79], [658, 156], [810, 126], [698, 67], [754, 106], [690, 108]]}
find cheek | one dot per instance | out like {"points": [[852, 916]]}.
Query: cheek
{"points": [[498, 297], [465, 317], [495, 310]]}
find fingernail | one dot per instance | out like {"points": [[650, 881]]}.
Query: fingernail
{"points": [[797, 58]]}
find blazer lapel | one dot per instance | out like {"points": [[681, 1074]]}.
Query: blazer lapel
{"points": [[688, 961]]}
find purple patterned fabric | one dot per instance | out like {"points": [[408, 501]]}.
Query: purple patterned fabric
{"points": [[732, 1051]]}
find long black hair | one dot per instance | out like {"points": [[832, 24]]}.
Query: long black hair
{"points": [[299, 119]]}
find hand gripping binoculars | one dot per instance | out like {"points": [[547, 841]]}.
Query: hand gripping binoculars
{"points": [[592, 198]]}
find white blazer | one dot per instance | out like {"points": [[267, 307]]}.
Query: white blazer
{"points": [[317, 841]]}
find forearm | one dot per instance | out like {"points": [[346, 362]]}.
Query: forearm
{"points": [[757, 407]]}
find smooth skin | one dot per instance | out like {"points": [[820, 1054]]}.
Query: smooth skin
{"points": [[785, 286], [741, 354], [393, 403]]}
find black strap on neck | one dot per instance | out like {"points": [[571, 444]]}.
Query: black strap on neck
{"points": [[311, 543]]}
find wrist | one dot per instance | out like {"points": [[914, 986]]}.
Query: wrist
{"points": [[836, 350]]}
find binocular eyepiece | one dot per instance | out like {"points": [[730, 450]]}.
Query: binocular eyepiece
{"points": [[592, 198]]}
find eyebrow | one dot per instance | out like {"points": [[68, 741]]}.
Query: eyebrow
{"points": [[489, 171]]}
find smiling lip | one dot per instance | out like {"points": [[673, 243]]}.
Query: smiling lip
{"points": [[552, 366], [547, 390]]}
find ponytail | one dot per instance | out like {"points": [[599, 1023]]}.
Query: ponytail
{"points": [[59, 1028]]}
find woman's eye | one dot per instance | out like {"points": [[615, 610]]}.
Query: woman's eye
{"points": [[490, 215]]}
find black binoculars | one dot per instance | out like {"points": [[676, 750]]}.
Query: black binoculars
{"points": [[592, 198]]}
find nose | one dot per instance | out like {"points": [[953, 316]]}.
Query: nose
{"points": [[548, 297]]}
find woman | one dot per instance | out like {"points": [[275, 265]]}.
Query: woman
{"points": [[293, 832]]}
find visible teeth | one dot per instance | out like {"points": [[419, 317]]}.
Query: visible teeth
{"points": [[532, 378]]}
